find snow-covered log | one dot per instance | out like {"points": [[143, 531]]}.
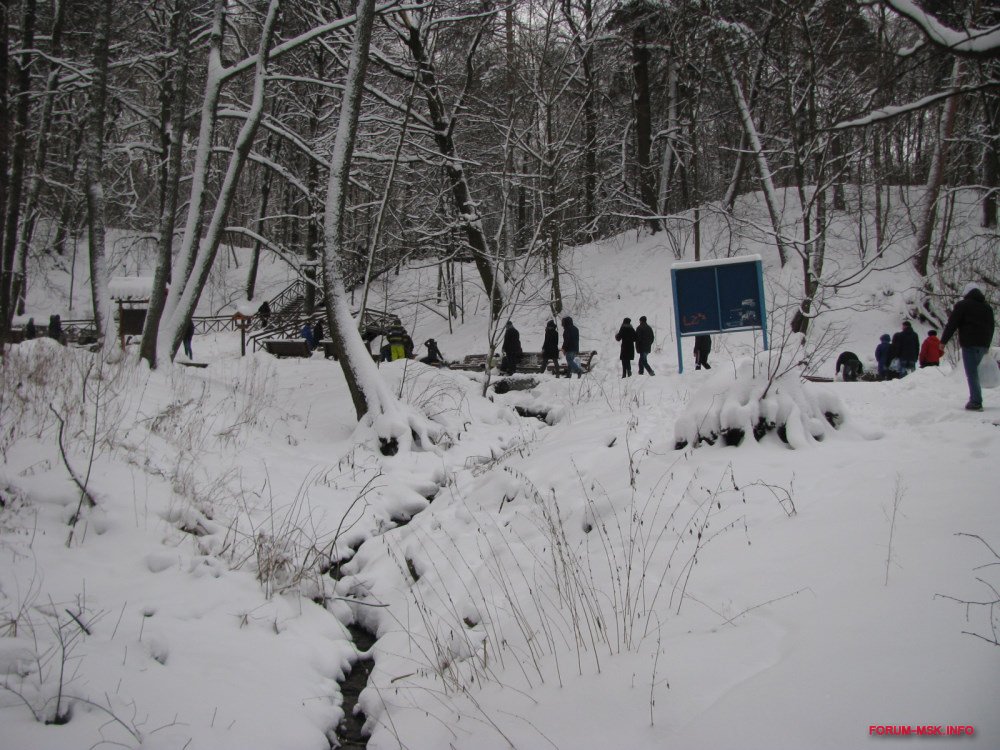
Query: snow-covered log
{"points": [[799, 413]]}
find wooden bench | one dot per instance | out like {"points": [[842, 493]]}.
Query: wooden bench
{"points": [[529, 364], [583, 359], [287, 348], [475, 362]]}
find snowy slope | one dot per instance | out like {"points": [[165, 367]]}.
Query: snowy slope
{"points": [[573, 583]]}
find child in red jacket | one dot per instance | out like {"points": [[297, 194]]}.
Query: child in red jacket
{"points": [[931, 351]]}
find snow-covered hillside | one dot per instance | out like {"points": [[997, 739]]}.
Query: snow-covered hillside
{"points": [[573, 581]]}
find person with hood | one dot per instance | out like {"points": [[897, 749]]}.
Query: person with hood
{"points": [[851, 365], [264, 313], [906, 348], [55, 328], [29, 330], [307, 333], [973, 319], [644, 344], [702, 348], [550, 347], [883, 357], [626, 334], [931, 350], [571, 347], [511, 349]]}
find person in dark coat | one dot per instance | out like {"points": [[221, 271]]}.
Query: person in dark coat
{"points": [[29, 330], [511, 349], [973, 319], [906, 348], [318, 332], [883, 357], [188, 335], [644, 344], [55, 328], [264, 313], [851, 365], [571, 347], [550, 347], [931, 350], [626, 334], [702, 348], [307, 334], [434, 356]]}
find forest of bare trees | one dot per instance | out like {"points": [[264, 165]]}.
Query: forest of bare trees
{"points": [[482, 131]]}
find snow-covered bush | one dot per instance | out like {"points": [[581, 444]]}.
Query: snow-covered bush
{"points": [[800, 413]]}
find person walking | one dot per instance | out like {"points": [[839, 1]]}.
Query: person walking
{"points": [[264, 313], [318, 332], [644, 344], [972, 317], [883, 357], [511, 349], [626, 334], [29, 330], [550, 347], [906, 348], [571, 347], [188, 335], [931, 350], [702, 348]]}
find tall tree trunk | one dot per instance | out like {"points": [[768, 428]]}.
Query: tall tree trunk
{"points": [[368, 392], [991, 157], [271, 150], [214, 79], [94, 161], [764, 169], [41, 155], [209, 245], [176, 85], [14, 183], [935, 177], [669, 146], [466, 206], [643, 123]]}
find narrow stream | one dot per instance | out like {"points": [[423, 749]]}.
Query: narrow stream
{"points": [[349, 731]]}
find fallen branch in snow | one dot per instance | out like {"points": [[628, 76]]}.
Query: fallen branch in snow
{"points": [[991, 606], [897, 498], [81, 484]]}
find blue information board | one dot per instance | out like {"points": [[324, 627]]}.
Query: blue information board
{"points": [[718, 296]]}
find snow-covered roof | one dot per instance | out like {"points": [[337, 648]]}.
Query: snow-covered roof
{"points": [[130, 288], [716, 262]]}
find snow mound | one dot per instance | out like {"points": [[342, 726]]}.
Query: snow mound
{"points": [[798, 412]]}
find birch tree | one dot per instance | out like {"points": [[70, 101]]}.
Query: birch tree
{"points": [[94, 160], [189, 284]]}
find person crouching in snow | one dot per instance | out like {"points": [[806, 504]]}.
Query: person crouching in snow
{"points": [[851, 365], [931, 350], [883, 356]]}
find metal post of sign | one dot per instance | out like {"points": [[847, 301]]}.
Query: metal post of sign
{"points": [[677, 322], [760, 305]]}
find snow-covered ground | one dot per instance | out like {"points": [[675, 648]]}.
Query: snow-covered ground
{"points": [[572, 582]]}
